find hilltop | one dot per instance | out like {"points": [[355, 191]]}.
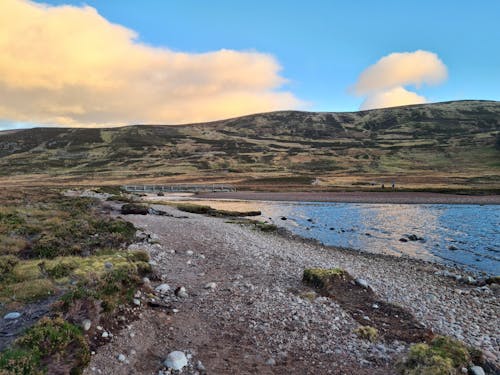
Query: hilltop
{"points": [[439, 146]]}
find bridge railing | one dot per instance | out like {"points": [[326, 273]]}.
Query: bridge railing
{"points": [[178, 188]]}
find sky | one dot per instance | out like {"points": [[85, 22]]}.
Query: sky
{"points": [[118, 62]]}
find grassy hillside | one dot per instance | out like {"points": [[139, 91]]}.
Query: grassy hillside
{"points": [[429, 146]]}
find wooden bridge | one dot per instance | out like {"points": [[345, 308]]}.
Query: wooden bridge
{"points": [[177, 188]]}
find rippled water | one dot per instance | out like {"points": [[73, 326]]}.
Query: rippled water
{"points": [[467, 235]]}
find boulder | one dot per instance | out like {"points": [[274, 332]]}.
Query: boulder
{"points": [[12, 315], [134, 209], [176, 360]]}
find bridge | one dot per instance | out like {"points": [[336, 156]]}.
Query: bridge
{"points": [[191, 188]]}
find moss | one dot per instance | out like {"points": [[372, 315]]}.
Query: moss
{"points": [[7, 263], [443, 356], [61, 269], [53, 342], [27, 291], [319, 277], [194, 208], [367, 333], [266, 227], [19, 362]]}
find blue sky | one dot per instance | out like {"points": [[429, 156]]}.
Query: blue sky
{"points": [[324, 46]]}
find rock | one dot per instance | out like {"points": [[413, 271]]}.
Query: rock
{"points": [[200, 367], [86, 324], [136, 301], [189, 252], [134, 209], [121, 358], [362, 283], [146, 281], [108, 265], [211, 286], [452, 248], [271, 362], [176, 360], [402, 239], [283, 218], [414, 237], [12, 315], [477, 370], [163, 288], [181, 292], [105, 335]]}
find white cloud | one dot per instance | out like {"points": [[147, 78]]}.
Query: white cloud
{"points": [[392, 98], [383, 83], [69, 65]]}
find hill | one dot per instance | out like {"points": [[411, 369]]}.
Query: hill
{"points": [[442, 145]]}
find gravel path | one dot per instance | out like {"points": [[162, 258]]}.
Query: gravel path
{"points": [[258, 319]]}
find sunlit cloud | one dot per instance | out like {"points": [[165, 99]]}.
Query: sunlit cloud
{"points": [[383, 83], [68, 65]]}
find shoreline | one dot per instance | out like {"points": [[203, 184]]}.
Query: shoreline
{"points": [[257, 317], [356, 197]]}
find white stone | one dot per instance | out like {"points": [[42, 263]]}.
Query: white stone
{"points": [[136, 301], [189, 252], [182, 292], [176, 360], [162, 288], [362, 283], [105, 334], [211, 286], [121, 358], [12, 315], [86, 324], [477, 370]]}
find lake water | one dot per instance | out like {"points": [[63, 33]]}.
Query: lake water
{"points": [[467, 235]]}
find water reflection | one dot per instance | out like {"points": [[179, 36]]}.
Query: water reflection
{"points": [[468, 235]]}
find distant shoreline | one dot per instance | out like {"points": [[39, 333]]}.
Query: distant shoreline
{"points": [[357, 197]]}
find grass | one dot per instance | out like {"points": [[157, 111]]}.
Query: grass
{"points": [[207, 210], [49, 345], [53, 245], [285, 150], [367, 333], [320, 278], [442, 356]]}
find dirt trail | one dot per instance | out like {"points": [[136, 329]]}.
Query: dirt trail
{"points": [[258, 320]]}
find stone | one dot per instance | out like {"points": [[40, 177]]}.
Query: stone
{"points": [[477, 370], [108, 265], [162, 288], [211, 286], [105, 335], [181, 292], [86, 324], [121, 358], [271, 362], [136, 301], [12, 315], [176, 360], [362, 283], [145, 280], [189, 252], [200, 367]]}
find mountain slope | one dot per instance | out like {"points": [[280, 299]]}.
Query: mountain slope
{"points": [[453, 143]]}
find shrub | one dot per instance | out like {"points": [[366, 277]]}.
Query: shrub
{"points": [[443, 356], [7, 263], [320, 278], [367, 332]]}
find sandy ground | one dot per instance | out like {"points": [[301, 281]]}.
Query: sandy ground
{"points": [[357, 197], [257, 320]]}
